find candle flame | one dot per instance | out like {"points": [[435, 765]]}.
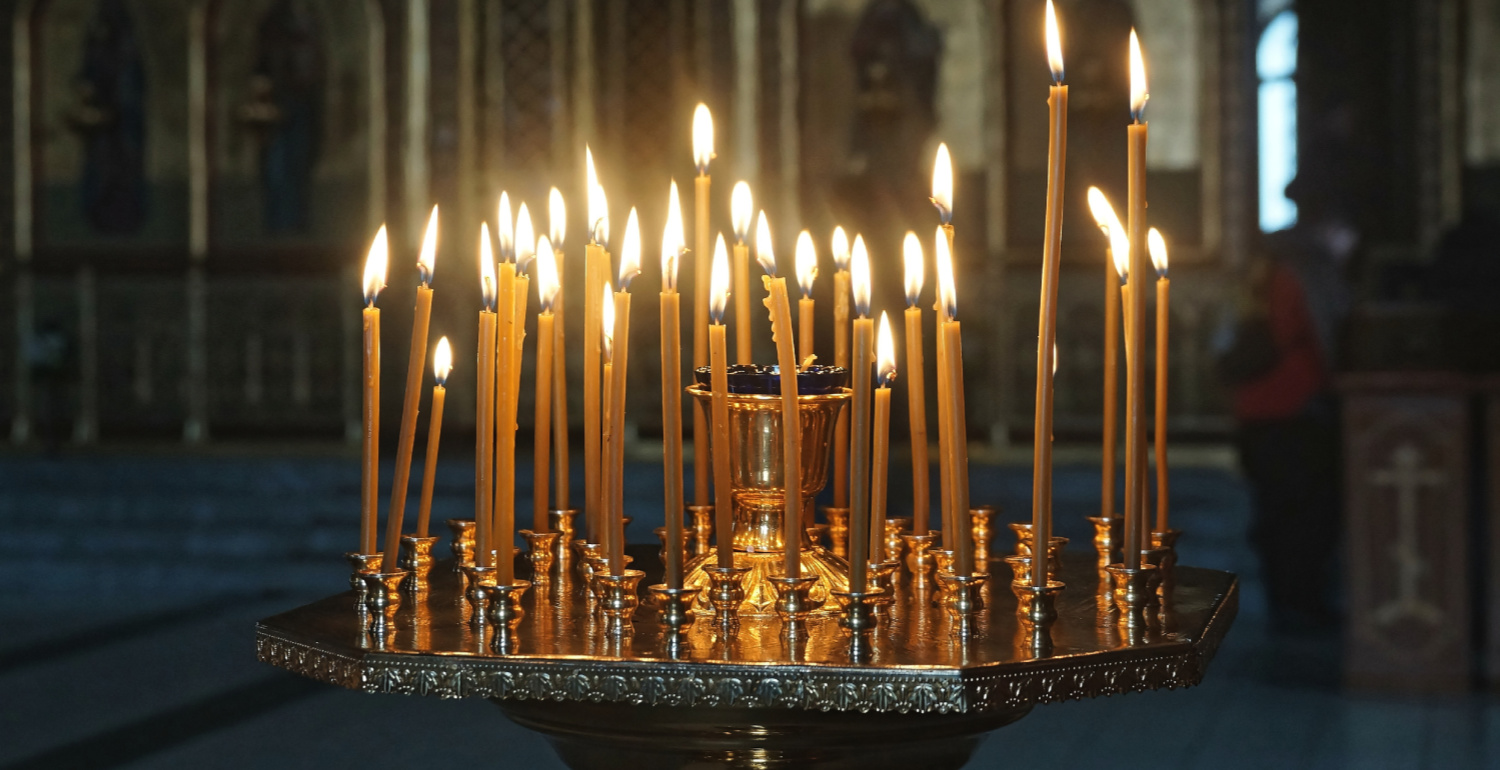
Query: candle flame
{"points": [[947, 297], [1054, 45], [505, 229], [840, 249], [548, 282], [598, 202], [741, 209], [608, 318], [807, 263], [427, 259], [703, 138], [911, 253], [673, 241], [942, 184], [1054, 358], [718, 282], [486, 267], [557, 217], [1156, 246], [1138, 92], [525, 239], [1119, 240], [375, 264], [859, 274], [442, 362], [885, 352], [630, 253], [764, 253]]}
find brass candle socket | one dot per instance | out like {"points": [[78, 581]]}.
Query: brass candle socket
{"points": [[943, 559], [881, 584], [1131, 591], [620, 600], [561, 521], [817, 534], [703, 528], [858, 618], [794, 603], [505, 603], [964, 596], [687, 537], [726, 591], [416, 559], [383, 598], [674, 606], [1037, 605], [1167, 541], [582, 551], [541, 553], [920, 561], [981, 518], [1024, 541], [1154, 557], [894, 528], [462, 542], [361, 564], [1020, 567], [476, 581], [1108, 534], [838, 530]]}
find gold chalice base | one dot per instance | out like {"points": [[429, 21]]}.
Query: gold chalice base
{"points": [[760, 593]]}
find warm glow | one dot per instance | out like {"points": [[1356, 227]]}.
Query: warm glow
{"points": [[764, 253], [547, 282], [885, 352], [486, 267], [557, 218], [741, 209], [1054, 45], [427, 259], [840, 249], [630, 253], [859, 275], [946, 294], [703, 137], [911, 254], [525, 238], [1054, 358], [673, 241], [718, 282], [942, 184], [375, 267], [608, 318], [442, 362], [1119, 240], [598, 202], [807, 263], [1156, 246], [505, 229], [1138, 92]]}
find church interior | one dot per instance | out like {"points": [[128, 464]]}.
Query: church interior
{"points": [[197, 438]]}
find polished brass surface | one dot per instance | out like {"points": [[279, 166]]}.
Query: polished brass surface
{"points": [[1167, 541], [1020, 567], [361, 564], [1108, 534], [674, 606], [620, 600], [476, 580], [838, 530], [1154, 557], [794, 602], [963, 596], [561, 521], [462, 543], [416, 559], [981, 518], [583, 550], [1037, 605], [382, 599], [920, 562], [894, 529], [726, 591], [505, 603], [817, 534], [858, 611], [1132, 592], [541, 552], [703, 528], [881, 580]]}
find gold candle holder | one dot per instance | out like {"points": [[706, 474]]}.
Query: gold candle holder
{"points": [[476, 581], [620, 601], [1154, 557], [505, 603], [1167, 541], [416, 559], [674, 606], [1037, 605], [598, 569], [1131, 592], [858, 608], [1109, 532], [361, 564], [920, 561], [981, 518], [838, 530], [943, 559], [382, 599], [583, 550], [703, 528], [726, 592], [541, 553], [462, 543], [561, 521], [817, 535], [881, 578], [894, 528], [964, 596], [794, 602], [661, 535]]}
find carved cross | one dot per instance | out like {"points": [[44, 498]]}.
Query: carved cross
{"points": [[1406, 477]]}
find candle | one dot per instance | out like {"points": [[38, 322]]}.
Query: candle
{"points": [[630, 267], [1135, 310], [1114, 276], [525, 251], [606, 438], [779, 305], [740, 208], [841, 294], [1057, 150], [916, 385], [442, 364], [546, 287], [942, 199], [1158, 248], [859, 441], [807, 273], [416, 361], [596, 268], [703, 152], [484, 409], [501, 536], [673, 243], [558, 221], [885, 372], [369, 487], [718, 356], [962, 542]]}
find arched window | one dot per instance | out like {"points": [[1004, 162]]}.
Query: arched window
{"points": [[1276, 67]]}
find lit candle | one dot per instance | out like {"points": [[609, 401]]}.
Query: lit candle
{"points": [[807, 273], [942, 199], [841, 295], [630, 267], [1057, 150], [369, 488], [596, 272], [885, 372], [1158, 248], [703, 152], [558, 221], [606, 437], [416, 361], [501, 535], [741, 209], [1118, 253], [779, 305], [525, 253], [962, 542], [546, 288], [484, 409], [859, 441], [916, 385], [1135, 426], [718, 356], [442, 364], [673, 243]]}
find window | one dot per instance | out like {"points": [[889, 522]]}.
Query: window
{"points": [[1276, 67]]}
